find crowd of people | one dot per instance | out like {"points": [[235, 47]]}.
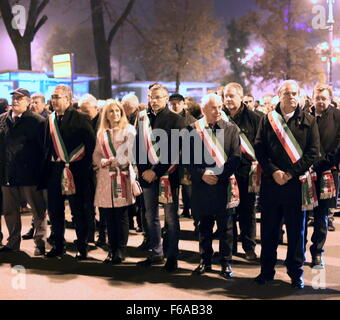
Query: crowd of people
{"points": [[230, 156]]}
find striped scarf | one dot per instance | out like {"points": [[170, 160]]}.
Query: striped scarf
{"points": [[67, 181], [293, 150], [164, 194], [248, 151], [216, 151]]}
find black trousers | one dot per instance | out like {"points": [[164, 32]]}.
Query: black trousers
{"points": [[320, 229], [225, 236], [295, 221], [245, 214], [102, 225], [117, 221], [78, 205]]}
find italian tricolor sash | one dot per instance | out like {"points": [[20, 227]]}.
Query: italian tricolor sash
{"points": [[118, 175], [67, 181], [165, 194], [249, 152], [293, 150], [327, 185], [216, 151]]}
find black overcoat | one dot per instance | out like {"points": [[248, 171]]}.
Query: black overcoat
{"points": [[21, 151], [272, 156], [211, 199]]}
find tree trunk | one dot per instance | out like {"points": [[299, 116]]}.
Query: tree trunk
{"points": [[23, 50], [178, 81], [102, 50]]}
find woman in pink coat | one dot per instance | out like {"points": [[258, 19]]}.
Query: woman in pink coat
{"points": [[112, 160]]}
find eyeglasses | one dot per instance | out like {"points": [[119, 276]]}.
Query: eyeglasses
{"points": [[157, 98], [56, 97]]}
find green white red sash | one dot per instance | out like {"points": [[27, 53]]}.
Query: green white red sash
{"points": [[285, 136], [67, 181], [249, 152], [293, 150], [216, 151], [165, 193], [148, 140], [120, 176], [327, 185]]}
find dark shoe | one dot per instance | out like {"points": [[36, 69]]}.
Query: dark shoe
{"points": [[331, 227], [139, 229], [117, 260], [50, 240], [226, 271], [101, 242], [170, 265], [39, 251], [29, 234], [150, 261], [144, 246], [6, 250], [263, 279], [251, 255], [298, 283], [54, 253], [202, 268], [317, 262], [69, 224], [310, 223], [81, 255], [108, 258], [186, 214]]}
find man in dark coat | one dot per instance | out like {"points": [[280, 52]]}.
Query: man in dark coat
{"points": [[162, 121], [328, 121], [21, 159], [280, 194], [178, 106], [248, 122], [249, 101], [210, 182], [70, 142]]}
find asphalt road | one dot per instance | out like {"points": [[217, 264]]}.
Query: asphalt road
{"points": [[26, 277]]}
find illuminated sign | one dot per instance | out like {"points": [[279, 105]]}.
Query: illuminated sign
{"points": [[62, 65]]}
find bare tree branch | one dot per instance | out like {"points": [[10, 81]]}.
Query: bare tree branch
{"points": [[120, 21]]}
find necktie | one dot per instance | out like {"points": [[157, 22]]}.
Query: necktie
{"points": [[59, 119]]}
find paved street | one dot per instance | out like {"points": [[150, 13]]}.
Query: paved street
{"points": [[69, 279]]}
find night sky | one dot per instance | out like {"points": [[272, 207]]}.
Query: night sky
{"points": [[224, 10]]}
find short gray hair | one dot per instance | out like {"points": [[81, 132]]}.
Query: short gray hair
{"points": [[66, 89], [234, 85], [88, 98], [131, 99], [287, 82], [38, 96], [211, 97]]}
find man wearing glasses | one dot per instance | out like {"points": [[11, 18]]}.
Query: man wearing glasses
{"points": [[70, 142], [157, 178], [21, 158]]}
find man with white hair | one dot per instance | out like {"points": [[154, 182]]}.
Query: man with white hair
{"points": [[214, 156], [247, 174], [130, 104], [287, 143], [88, 105]]}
